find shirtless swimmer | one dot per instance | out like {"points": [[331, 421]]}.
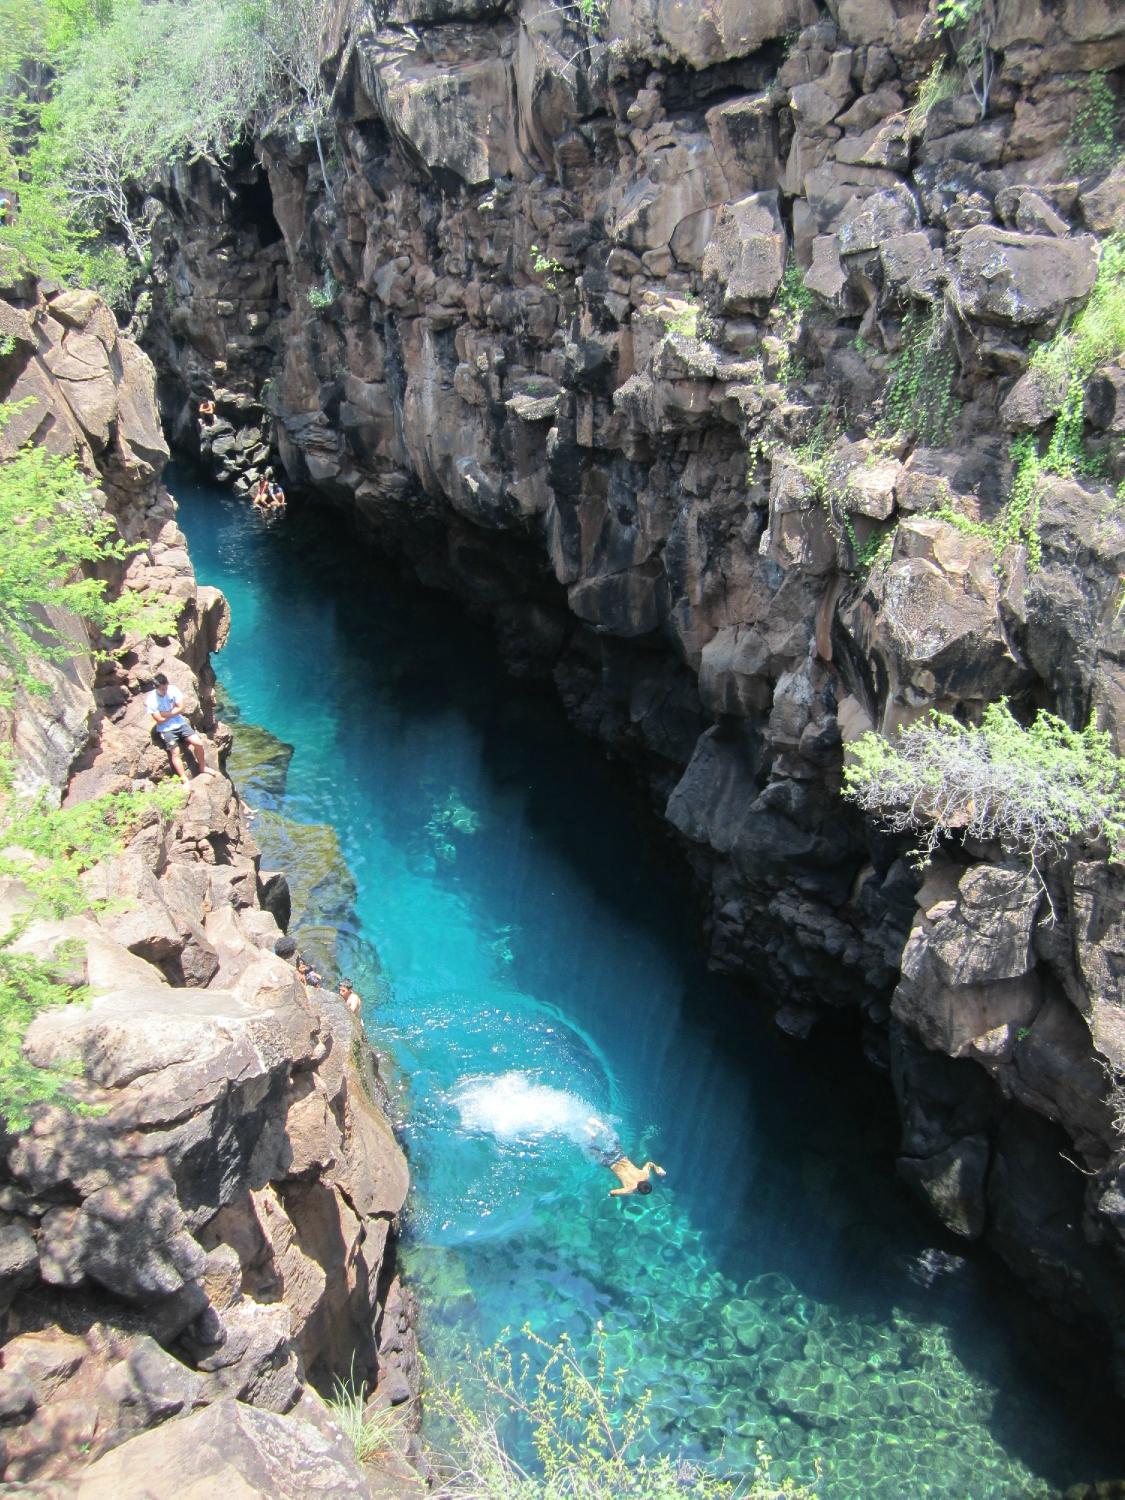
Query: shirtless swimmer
{"points": [[633, 1179]]}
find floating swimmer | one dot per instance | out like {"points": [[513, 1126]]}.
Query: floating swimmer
{"points": [[607, 1148]]}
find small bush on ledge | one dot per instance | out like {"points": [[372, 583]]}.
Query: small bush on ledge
{"points": [[1035, 791]]}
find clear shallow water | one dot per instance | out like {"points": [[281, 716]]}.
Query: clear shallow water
{"points": [[527, 955]]}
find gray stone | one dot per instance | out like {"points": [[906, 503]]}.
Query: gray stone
{"points": [[1002, 277], [745, 259], [227, 1448]]}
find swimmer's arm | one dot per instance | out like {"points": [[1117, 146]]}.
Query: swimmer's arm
{"points": [[620, 1192], [660, 1172]]}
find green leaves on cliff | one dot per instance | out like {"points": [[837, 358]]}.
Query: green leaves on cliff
{"points": [[1093, 337], [53, 528], [1036, 791], [44, 853], [919, 399]]}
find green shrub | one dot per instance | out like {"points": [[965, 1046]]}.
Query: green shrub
{"points": [[48, 850], [1036, 791], [1095, 335], [323, 296], [52, 527], [547, 266], [585, 1434], [137, 86], [1091, 143]]}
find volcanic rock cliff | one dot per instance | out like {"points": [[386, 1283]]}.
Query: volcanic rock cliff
{"points": [[591, 325], [178, 1263]]}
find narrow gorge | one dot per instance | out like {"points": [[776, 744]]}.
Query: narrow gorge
{"points": [[754, 375]]}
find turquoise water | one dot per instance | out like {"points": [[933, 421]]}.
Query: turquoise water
{"points": [[527, 955]]}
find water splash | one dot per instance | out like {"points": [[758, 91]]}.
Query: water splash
{"points": [[513, 1107]]}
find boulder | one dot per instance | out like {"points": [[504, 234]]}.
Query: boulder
{"points": [[228, 1448], [1025, 279], [745, 258]]}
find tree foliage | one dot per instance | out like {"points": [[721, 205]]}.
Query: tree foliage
{"points": [[1036, 791], [138, 86], [53, 529]]}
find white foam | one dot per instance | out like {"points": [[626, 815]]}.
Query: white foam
{"points": [[512, 1107]]}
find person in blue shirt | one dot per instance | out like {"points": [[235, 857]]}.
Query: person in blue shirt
{"points": [[163, 703]]}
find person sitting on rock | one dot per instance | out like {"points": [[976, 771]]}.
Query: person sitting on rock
{"points": [[262, 493], [308, 974], [276, 496], [206, 411], [349, 996], [163, 703], [607, 1150]]}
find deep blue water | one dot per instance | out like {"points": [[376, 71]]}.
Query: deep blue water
{"points": [[525, 946]]}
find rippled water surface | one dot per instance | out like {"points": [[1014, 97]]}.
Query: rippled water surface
{"points": [[526, 952]]}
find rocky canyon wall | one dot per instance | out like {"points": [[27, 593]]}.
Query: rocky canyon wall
{"points": [[210, 1241], [596, 329]]}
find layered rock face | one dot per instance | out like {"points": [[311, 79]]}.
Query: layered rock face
{"points": [[537, 334], [215, 1231]]}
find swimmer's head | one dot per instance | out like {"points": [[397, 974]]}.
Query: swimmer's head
{"points": [[644, 1187]]}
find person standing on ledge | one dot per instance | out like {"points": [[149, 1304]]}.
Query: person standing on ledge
{"points": [[163, 703], [349, 996], [607, 1148]]}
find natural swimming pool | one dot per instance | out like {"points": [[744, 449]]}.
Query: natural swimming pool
{"points": [[524, 942]]}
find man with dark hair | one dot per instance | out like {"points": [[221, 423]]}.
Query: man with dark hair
{"points": [[349, 996], [607, 1149], [307, 974], [163, 703]]}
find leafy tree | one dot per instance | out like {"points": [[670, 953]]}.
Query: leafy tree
{"points": [[52, 527], [1036, 791], [140, 85], [292, 33]]}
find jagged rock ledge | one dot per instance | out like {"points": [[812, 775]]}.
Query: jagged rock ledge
{"points": [[183, 1269]]}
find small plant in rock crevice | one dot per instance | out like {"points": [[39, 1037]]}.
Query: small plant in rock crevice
{"points": [[548, 267], [939, 84], [1091, 144], [371, 1430], [682, 320], [791, 301], [323, 296]]}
